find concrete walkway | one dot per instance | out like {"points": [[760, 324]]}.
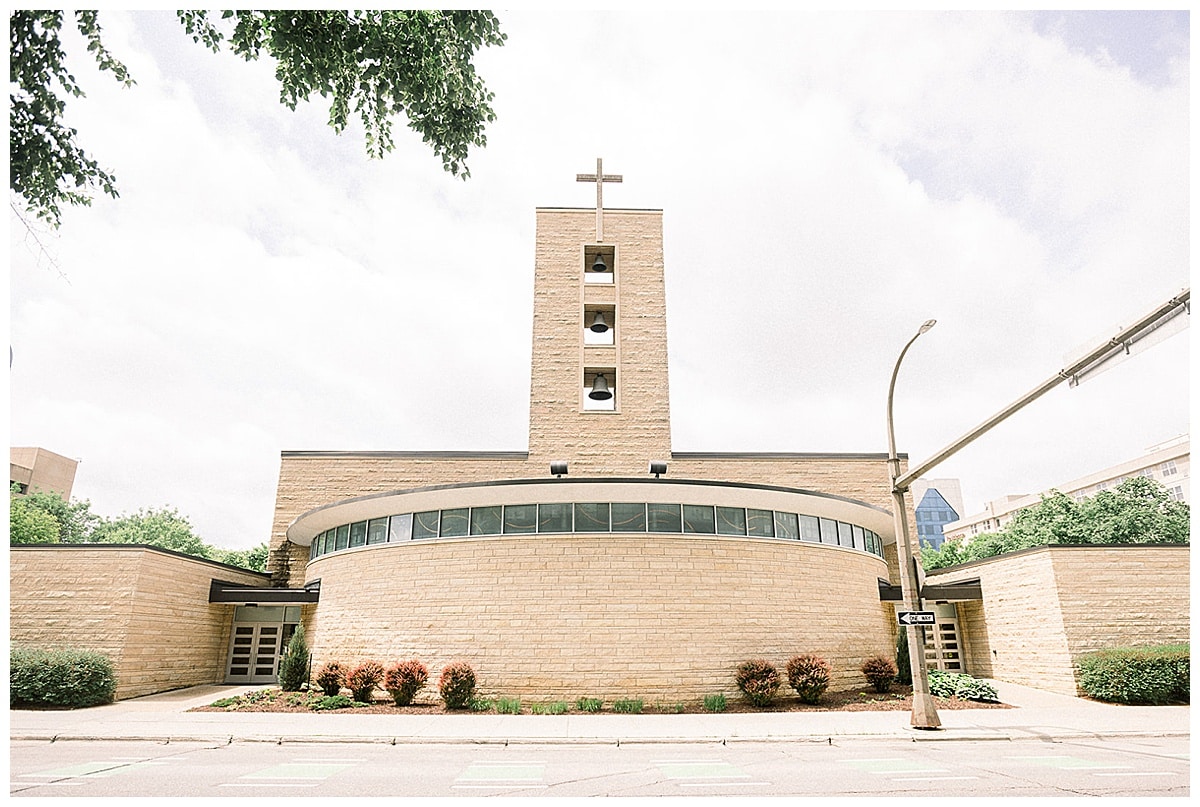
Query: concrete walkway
{"points": [[164, 718]]}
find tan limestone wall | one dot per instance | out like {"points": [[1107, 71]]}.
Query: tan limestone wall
{"points": [[147, 610], [1044, 608], [561, 617]]}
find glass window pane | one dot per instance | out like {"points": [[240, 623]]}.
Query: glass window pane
{"points": [[554, 518], [760, 523], [343, 537], [663, 518], [810, 530], [731, 521], [845, 535], [319, 543], [520, 518], [628, 517], [487, 520], [699, 518], [828, 530], [425, 525], [786, 526], [312, 549], [358, 533], [455, 522], [860, 541], [377, 531], [591, 517], [400, 527]]}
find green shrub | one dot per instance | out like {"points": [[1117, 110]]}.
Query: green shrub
{"points": [[589, 704], [508, 706], [404, 680], [330, 702], [66, 677], [632, 706], [960, 685], [1154, 674], [714, 703], [809, 676], [758, 680], [555, 708], [332, 678], [363, 679], [880, 672], [457, 685], [293, 667]]}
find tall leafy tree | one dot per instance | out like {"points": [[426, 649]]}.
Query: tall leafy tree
{"points": [[371, 64], [162, 527], [28, 524], [75, 518]]}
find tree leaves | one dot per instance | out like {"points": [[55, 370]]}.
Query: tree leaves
{"points": [[373, 64]]}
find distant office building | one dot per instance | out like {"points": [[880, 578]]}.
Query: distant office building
{"points": [[1168, 463], [938, 502], [36, 469]]}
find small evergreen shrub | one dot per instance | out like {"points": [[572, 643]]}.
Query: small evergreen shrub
{"points": [[903, 662], [363, 679], [960, 685], [631, 706], [880, 673], [293, 667], [67, 677], [332, 678], [589, 704], [331, 702], [809, 676], [758, 680], [714, 703], [404, 680], [508, 706], [1155, 674], [457, 685]]}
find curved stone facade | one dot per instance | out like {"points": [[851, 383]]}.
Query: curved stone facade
{"points": [[665, 618]]}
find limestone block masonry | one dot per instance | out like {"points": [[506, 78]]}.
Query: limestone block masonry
{"points": [[144, 608]]}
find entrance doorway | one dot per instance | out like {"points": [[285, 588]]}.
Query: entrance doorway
{"points": [[260, 635], [943, 647]]}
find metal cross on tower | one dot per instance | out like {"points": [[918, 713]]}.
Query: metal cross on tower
{"points": [[599, 178]]}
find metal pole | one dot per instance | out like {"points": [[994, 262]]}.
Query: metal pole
{"points": [[924, 713]]}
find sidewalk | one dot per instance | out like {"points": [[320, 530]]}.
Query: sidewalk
{"points": [[164, 718]]}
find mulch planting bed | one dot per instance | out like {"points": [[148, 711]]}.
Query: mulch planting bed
{"points": [[899, 699]]}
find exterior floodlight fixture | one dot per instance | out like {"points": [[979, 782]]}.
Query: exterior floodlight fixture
{"points": [[599, 265], [658, 468], [598, 324], [558, 467], [600, 390]]}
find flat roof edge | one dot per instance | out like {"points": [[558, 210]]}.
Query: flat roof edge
{"points": [[487, 455], [781, 455]]}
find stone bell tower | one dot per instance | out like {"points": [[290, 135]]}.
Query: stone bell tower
{"points": [[598, 394]]}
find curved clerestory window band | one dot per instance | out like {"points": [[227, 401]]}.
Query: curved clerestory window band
{"points": [[595, 517]]}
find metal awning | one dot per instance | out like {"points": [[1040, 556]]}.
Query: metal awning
{"points": [[965, 590], [235, 593]]}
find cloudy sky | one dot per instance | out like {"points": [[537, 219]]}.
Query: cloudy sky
{"points": [[828, 182]]}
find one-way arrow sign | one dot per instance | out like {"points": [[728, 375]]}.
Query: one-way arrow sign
{"points": [[916, 618]]}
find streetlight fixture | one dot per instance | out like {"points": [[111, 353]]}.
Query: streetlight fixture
{"points": [[924, 713]]}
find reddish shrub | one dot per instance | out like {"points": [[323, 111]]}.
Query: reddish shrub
{"points": [[404, 679], [363, 679], [758, 680], [457, 685], [809, 676], [880, 672], [332, 678]]}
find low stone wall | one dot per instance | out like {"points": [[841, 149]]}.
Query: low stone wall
{"points": [[145, 608], [664, 618], [1043, 608]]}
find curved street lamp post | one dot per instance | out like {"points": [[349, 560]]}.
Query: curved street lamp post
{"points": [[924, 713]]}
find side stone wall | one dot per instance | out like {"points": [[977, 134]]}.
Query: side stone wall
{"points": [[1043, 608], [144, 608], [665, 618]]}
